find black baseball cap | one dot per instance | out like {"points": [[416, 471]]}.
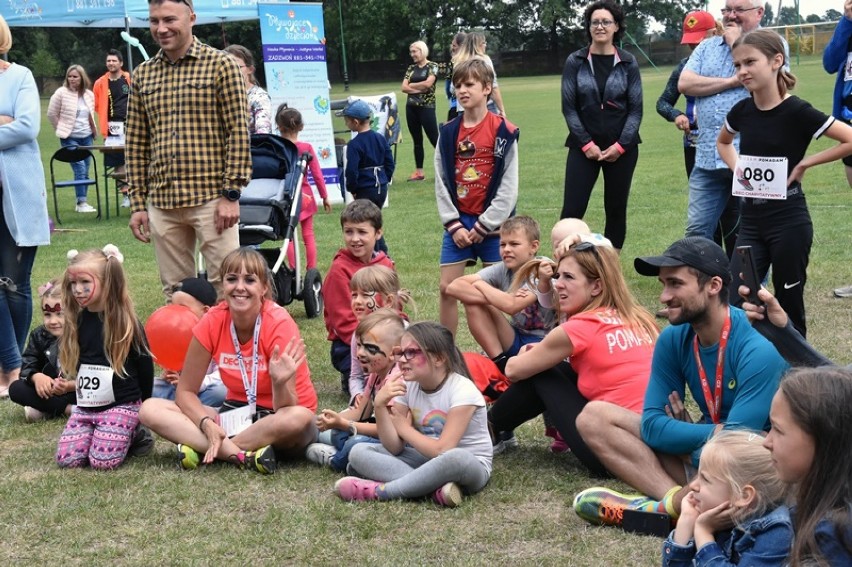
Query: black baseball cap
{"points": [[694, 251], [200, 289]]}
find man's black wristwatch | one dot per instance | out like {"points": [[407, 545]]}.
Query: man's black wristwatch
{"points": [[231, 194]]}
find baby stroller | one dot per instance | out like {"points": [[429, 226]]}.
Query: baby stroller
{"points": [[269, 210]]}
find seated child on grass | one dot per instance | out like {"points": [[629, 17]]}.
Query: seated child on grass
{"points": [[432, 426], [41, 389], [376, 336], [197, 295], [488, 296], [373, 287], [361, 221]]}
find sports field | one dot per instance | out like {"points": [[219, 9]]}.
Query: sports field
{"points": [[150, 512]]}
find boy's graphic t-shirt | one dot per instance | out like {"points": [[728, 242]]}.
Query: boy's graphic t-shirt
{"points": [[475, 163]]}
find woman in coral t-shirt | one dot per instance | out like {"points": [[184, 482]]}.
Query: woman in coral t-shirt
{"points": [[601, 352], [268, 413]]}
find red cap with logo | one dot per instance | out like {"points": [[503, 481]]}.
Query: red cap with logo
{"points": [[695, 26]]}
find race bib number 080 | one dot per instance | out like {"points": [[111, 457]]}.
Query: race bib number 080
{"points": [[759, 177]]}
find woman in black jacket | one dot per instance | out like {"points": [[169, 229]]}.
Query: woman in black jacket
{"points": [[602, 104]]}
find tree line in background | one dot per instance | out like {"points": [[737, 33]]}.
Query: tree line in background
{"points": [[381, 30]]}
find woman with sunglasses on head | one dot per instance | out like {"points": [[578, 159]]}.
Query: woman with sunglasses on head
{"points": [[602, 104], [608, 336]]}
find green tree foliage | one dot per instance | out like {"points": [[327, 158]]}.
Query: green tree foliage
{"points": [[768, 18], [831, 15]]}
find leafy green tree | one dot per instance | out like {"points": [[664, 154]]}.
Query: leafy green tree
{"points": [[788, 16], [768, 18], [831, 15]]}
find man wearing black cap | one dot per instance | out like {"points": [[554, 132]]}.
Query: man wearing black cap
{"points": [[731, 371]]}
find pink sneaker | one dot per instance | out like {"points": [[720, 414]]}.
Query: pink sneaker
{"points": [[559, 445], [449, 495], [352, 488]]}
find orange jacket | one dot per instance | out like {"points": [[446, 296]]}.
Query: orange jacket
{"points": [[101, 90]]}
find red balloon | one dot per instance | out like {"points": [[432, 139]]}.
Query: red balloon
{"points": [[169, 331]]}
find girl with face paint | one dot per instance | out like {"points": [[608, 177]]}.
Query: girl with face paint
{"points": [[376, 336], [43, 390], [372, 288], [104, 350], [432, 425]]}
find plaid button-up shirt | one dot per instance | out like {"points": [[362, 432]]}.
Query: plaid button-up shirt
{"points": [[187, 134]]}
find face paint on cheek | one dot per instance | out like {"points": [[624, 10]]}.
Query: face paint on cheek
{"points": [[370, 301]]}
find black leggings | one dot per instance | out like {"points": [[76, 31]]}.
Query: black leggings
{"points": [[421, 119], [23, 392], [554, 391], [780, 236], [581, 173]]}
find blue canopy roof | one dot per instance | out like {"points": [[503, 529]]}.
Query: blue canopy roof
{"points": [[113, 13]]}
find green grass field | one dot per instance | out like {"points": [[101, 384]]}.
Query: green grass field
{"points": [[148, 511]]}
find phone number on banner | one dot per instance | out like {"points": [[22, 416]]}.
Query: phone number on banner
{"points": [[291, 53]]}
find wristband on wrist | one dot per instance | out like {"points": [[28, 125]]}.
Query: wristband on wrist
{"points": [[201, 423], [587, 146], [353, 429]]}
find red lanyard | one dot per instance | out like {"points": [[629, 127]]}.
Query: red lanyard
{"points": [[714, 403]]}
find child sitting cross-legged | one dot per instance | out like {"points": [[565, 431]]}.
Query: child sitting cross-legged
{"points": [[376, 337], [432, 425], [489, 296]]}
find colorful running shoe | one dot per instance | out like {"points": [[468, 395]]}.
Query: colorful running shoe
{"points": [[263, 460], [604, 506], [449, 495], [354, 489], [188, 458]]}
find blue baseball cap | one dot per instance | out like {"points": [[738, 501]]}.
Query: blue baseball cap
{"points": [[357, 109]]}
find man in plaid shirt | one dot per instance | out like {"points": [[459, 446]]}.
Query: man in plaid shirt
{"points": [[187, 147]]}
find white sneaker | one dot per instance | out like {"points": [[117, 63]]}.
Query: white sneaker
{"points": [[125, 203], [320, 453], [85, 208], [843, 291], [32, 415]]}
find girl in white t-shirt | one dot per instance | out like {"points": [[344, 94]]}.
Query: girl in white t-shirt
{"points": [[432, 425]]}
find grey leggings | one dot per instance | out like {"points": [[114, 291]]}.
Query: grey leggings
{"points": [[411, 475]]}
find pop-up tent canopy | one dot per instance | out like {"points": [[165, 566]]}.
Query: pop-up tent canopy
{"points": [[113, 13], [120, 14]]}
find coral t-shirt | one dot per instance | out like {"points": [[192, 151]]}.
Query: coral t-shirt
{"points": [[613, 362], [213, 331]]}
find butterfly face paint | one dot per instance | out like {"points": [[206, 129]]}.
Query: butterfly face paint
{"points": [[84, 288], [54, 320]]}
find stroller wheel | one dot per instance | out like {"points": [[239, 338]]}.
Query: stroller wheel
{"points": [[312, 293]]}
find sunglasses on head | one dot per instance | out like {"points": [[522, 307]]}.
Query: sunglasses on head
{"points": [[409, 353]]}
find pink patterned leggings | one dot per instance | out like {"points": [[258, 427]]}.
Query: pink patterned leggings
{"points": [[99, 438]]}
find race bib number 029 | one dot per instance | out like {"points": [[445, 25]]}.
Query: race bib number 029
{"points": [[759, 177], [94, 386]]}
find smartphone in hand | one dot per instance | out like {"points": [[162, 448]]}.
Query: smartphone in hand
{"points": [[749, 274]]}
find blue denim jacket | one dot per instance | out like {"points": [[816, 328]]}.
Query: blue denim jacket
{"points": [[762, 541], [833, 550]]}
